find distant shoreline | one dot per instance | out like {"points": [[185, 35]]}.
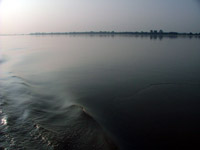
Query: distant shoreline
{"points": [[151, 33], [155, 32]]}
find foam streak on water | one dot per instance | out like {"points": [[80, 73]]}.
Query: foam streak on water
{"points": [[99, 93]]}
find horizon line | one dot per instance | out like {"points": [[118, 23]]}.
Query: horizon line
{"points": [[151, 32]]}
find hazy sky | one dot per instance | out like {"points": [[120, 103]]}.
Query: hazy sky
{"points": [[25, 16]]}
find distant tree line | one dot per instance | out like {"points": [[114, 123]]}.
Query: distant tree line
{"points": [[151, 32]]}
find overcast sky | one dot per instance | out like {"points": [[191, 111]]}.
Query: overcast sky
{"points": [[25, 16]]}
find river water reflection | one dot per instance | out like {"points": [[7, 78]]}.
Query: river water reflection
{"points": [[99, 92]]}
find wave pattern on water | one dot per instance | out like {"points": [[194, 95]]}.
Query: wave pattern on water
{"points": [[34, 121]]}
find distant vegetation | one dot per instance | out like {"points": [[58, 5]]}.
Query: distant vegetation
{"points": [[151, 32]]}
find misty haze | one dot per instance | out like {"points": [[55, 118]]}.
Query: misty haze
{"points": [[99, 75]]}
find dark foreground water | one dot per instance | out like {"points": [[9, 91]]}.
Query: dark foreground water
{"points": [[99, 93]]}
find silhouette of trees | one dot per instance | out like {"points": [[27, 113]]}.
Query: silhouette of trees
{"points": [[161, 32], [155, 32], [152, 33]]}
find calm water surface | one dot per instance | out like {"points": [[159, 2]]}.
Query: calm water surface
{"points": [[99, 92]]}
